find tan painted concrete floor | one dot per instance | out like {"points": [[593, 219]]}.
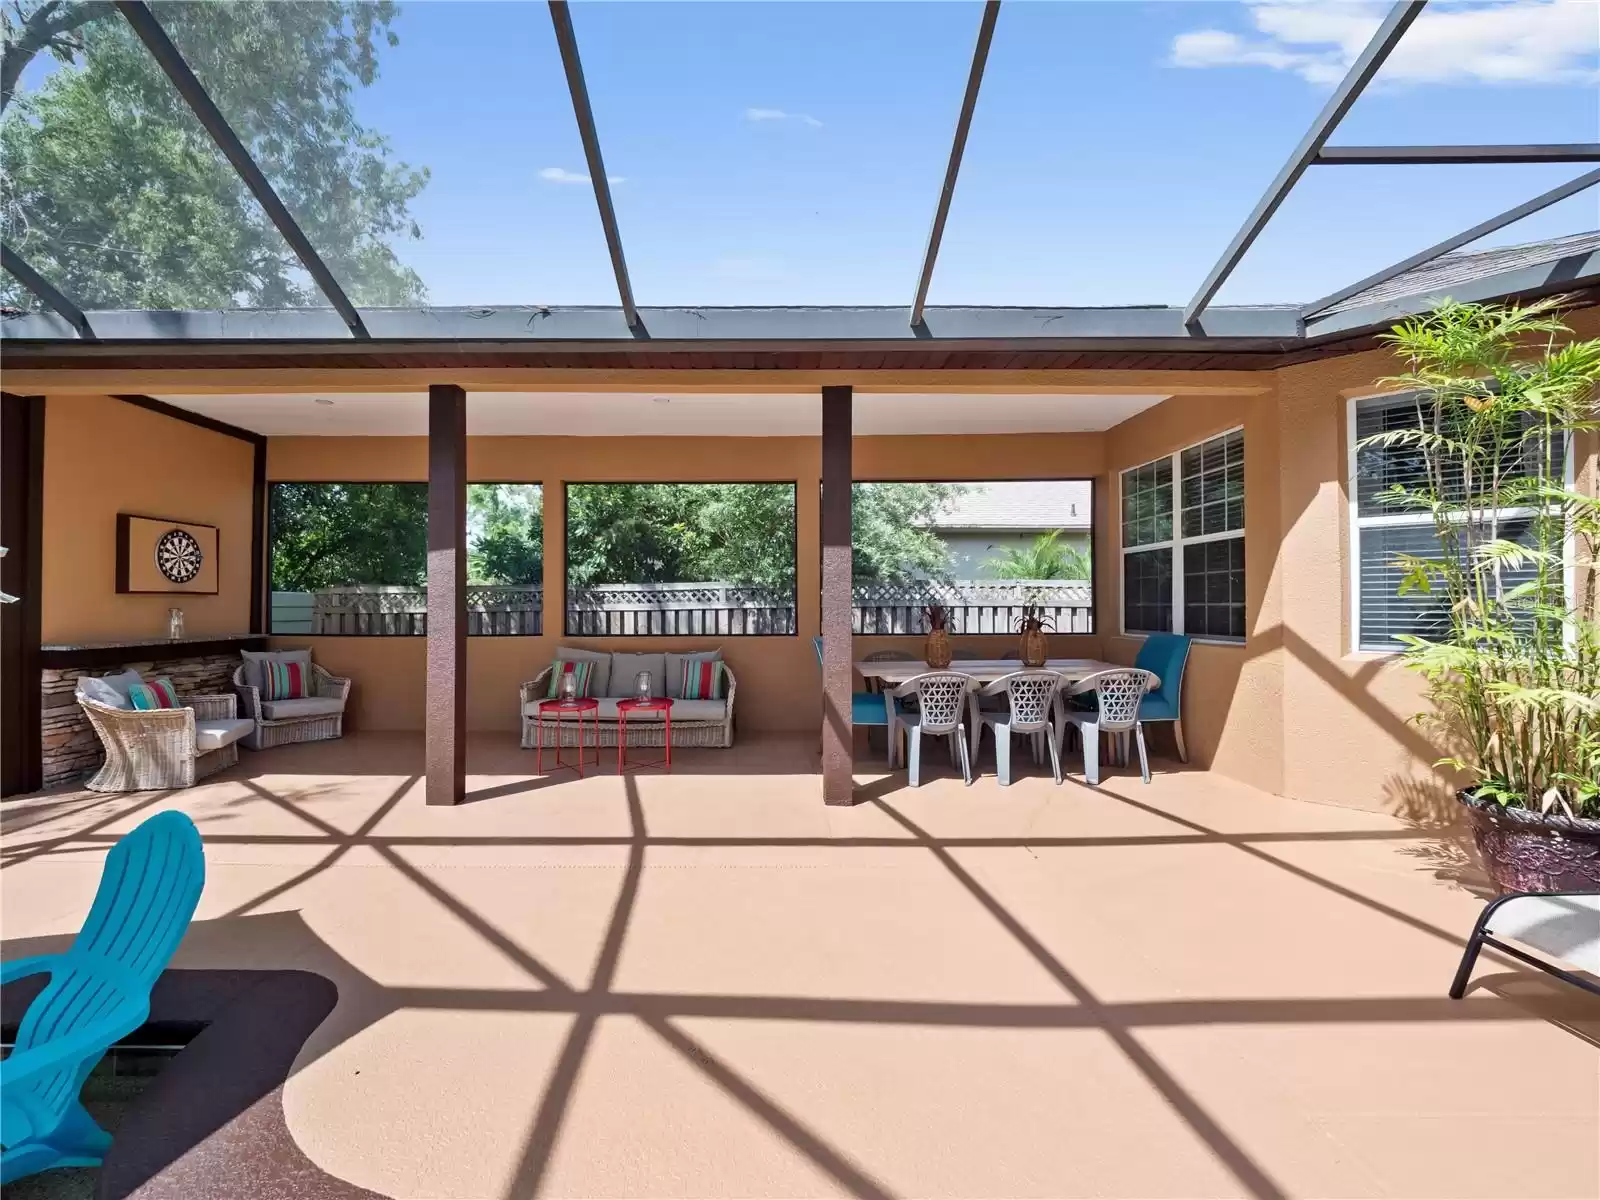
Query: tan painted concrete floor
{"points": [[709, 984]]}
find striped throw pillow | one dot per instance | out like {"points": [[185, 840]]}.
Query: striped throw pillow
{"points": [[153, 694], [703, 679], [581, 672], [283, 680]]}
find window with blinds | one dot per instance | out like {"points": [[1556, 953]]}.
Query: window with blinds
{"points": [[1183, 542], [1386, 526]]}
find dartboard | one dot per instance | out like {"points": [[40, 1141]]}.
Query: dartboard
{"points": [[178, 556]]}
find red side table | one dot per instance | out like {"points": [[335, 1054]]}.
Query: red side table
{"points": [[660, 704], [557, 709]]}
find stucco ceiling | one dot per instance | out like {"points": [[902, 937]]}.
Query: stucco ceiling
{"points": [[602, 414]]}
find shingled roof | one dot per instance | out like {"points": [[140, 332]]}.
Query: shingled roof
{"points": [[1464, 266]]}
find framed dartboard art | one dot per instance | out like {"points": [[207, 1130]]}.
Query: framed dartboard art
{"points": [[158, 555]]}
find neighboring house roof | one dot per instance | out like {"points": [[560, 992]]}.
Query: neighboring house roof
{"points": [[1464, 266], [1041, 505]]}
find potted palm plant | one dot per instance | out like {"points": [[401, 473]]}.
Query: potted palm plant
{"points": [[1513, 668], [936, 650], [1033, 646]]}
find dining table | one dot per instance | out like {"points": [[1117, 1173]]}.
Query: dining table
{"points": [[985, 670]]}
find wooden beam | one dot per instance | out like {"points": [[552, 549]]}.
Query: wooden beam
{"points": [[259, 582], [838, 764], [80, 381], [22, 533], [445, 712]]}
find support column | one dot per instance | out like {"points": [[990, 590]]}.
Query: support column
{"points": [[446, 712], [838, 766], [21, 532]]}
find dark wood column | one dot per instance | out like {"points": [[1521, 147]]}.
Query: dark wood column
{"points": [[446, 713], [21, 532], [838, 765]]}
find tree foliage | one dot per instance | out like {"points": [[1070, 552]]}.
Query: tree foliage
{"points": [[505, 533], [739, 533], [891, 528], [335, 534], [1044, 558], [116, 194]]}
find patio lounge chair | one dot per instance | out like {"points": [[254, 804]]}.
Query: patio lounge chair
{"points": [[1562, 925], [99, 991], [874, 710], [155, 748], [1117, 698], [1030, 698], [941, 711], [314, 718]]}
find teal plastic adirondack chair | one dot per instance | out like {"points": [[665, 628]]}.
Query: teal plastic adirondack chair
{"points": [[99, 991]]}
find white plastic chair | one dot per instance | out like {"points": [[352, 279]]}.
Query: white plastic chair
{"points": [[1117, 695], [942, 712], [1030, 703]]}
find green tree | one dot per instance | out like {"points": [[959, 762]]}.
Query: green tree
{"points": [[505, 533], [680, 532], [891, 530], [336, 534], [116, 194], [1044, 558]]}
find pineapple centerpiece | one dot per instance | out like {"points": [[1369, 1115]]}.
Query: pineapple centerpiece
{"points": [[936, 650], [1032, 625]]}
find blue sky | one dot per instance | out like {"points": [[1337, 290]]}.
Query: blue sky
{"points": [[792, 153]]}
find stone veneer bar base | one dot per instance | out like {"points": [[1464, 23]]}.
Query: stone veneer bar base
{"points": [[70, 746]]}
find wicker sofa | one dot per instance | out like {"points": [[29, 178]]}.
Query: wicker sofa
{"points": [[694, 722], [312, 718], [164, 747]]}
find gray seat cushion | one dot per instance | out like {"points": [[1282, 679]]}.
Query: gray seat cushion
{"points": [[307, 706], [111, 690], [682, 710], [222, 731], [625, 669]]}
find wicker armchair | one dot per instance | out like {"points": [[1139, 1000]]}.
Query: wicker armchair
{"points": [[164, 747], [316, 718], [686, 731]]}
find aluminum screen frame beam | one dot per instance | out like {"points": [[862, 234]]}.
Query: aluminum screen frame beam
{"points": [[1511, 215], [162, 49], [49, 295], [567, 42], [1349, 90], [1369, 156], [969, 104]]}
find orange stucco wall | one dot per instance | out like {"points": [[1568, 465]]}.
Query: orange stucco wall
{"points": [[103, 457], [779, 688], [1295, 710]]}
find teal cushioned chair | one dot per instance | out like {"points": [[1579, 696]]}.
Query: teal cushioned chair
{"points": [[1165, 654], [869, 708], [99, 991]]}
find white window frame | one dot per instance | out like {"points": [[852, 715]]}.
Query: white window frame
{"points": [[1356, 522], [1175, 544]]}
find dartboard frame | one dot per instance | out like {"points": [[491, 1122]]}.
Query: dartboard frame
{"points": [[138, 571]]}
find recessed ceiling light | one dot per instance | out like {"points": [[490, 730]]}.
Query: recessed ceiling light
{"points": [[324, 400]]}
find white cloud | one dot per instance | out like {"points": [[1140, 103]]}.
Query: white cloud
{"points": [[777, 114], [562, 175], [1508, 41]]}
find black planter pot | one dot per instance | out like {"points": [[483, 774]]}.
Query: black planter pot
{"points": [[1527, 851]]}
